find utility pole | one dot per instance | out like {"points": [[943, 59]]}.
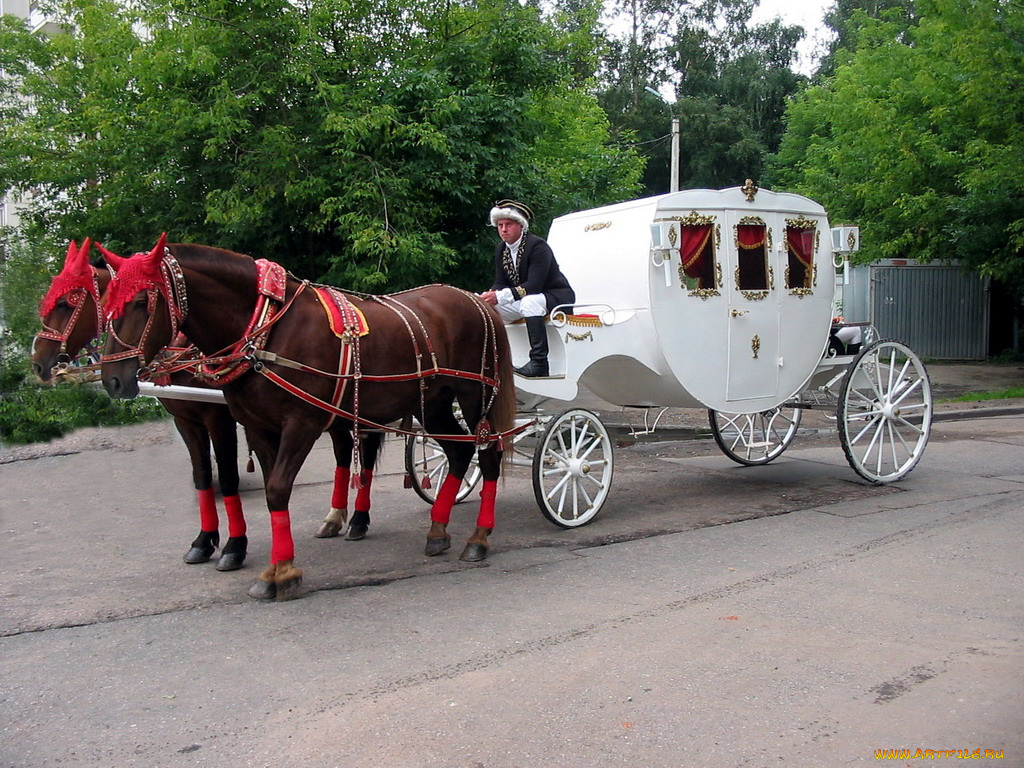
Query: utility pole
{"points": [[674, 182], [673, 170]]}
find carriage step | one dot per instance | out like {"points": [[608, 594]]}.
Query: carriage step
{"points": [[543, 378]]}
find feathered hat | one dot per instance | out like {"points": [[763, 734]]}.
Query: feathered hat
{"points": [[510, 209]]}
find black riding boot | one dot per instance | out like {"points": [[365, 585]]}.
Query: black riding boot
{"points": [[538, 365]]}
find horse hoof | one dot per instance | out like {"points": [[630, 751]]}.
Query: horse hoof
{"points": [[437, 546], [328, 530], [198, 555], [474, 552], [233, 554], [356, 532], [289, 580], [263, 590], [231, 561]]}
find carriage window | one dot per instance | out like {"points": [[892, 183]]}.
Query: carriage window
{"points": [[697, 258], [800, 243], [752, 246]]}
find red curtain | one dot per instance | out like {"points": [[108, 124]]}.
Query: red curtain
{"points": [[693, 250], [751, 235], [801, 243]]}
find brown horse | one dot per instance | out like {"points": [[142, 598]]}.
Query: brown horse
{"points": [[292, 366], [71, 318], [70, 313]]}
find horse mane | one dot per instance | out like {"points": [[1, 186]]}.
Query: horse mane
{"points": [[208, 253]]}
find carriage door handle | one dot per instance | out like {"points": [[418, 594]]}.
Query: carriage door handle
{"points": [[737, 312]]}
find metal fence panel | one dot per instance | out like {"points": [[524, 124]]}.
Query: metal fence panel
{"points": [[941, 312]]}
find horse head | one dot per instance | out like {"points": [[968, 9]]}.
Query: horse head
{"points": [[70, 312], [142, 316]]}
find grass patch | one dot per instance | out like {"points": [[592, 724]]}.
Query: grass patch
{"points": [[1006, 394]]}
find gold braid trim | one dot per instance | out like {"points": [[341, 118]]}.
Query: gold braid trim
{"points": [[580, 320]]}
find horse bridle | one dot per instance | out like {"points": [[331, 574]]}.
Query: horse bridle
{"points": [[172, 288], [76, 298]]}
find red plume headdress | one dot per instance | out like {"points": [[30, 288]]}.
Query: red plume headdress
{"points": [[76, 274], [137, 273]]}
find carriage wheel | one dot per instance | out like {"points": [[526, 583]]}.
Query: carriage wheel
{"points": [[572, 468], [885, 411], [426, 465], [754, 438]]}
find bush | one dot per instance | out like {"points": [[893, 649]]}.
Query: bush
{"points": [[32, 413]]}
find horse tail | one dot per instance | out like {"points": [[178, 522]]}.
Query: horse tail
{"points": [[503, 410]]}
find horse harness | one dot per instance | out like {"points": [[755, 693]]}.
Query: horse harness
{"points": [[250, 353], [76, 298]]}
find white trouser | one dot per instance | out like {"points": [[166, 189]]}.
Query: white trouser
{"points": [[534, 305], [849, 335]]}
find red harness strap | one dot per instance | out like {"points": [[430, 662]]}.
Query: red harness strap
{"points": [[271, 281], [323, 404]]}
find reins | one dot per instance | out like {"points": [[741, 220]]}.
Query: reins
{"points": [[249, 353]]}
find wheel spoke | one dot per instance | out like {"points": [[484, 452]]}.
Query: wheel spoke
{"points": [[886, 409], [572, 468]]}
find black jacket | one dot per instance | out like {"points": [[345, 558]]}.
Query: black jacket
{"points": [[538, 273]]}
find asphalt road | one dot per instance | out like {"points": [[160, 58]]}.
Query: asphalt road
{"points": [[712, 615]]}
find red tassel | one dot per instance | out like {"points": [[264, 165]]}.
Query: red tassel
{"points": [[407, 481], [249, 466]]}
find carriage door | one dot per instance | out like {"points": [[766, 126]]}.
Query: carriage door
{"points": [[753, 310]]}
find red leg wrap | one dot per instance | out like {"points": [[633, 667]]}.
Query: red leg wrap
{"points": [[339, 499], [282, 547], [363, 494], [441, 512], [486, 517], [236, 520], [207, 509]]}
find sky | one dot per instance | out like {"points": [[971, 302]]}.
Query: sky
{"points": [[806, 13]]}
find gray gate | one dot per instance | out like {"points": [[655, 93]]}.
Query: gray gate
{"points": [[941, 312]]}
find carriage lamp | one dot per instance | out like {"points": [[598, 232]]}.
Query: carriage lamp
{"points": [[664, 239], [845, 239]]}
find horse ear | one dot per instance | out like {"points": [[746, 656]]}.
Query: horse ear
{"points": [[71, 254], [78, 258], [112, 258], [158, 249]]}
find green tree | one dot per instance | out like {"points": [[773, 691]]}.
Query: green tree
{"points": [[917, 137], [356, 142], [842, 18], [732, 80]]}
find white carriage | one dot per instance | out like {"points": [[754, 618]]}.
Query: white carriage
{"points": [[714, 299]]}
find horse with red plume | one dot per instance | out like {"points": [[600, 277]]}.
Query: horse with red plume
{"points": [[294, 360], [71, 314]]}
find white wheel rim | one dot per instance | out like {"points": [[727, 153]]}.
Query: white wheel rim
{"points": [[574, 471], [756, 438], [885, 412], [431, 463]]}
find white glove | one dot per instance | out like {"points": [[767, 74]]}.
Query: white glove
{"points": [[504, 296]]}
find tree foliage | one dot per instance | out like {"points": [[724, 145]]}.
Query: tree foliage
{"points": [[356, 142], [731, 81], [918, 137]]}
